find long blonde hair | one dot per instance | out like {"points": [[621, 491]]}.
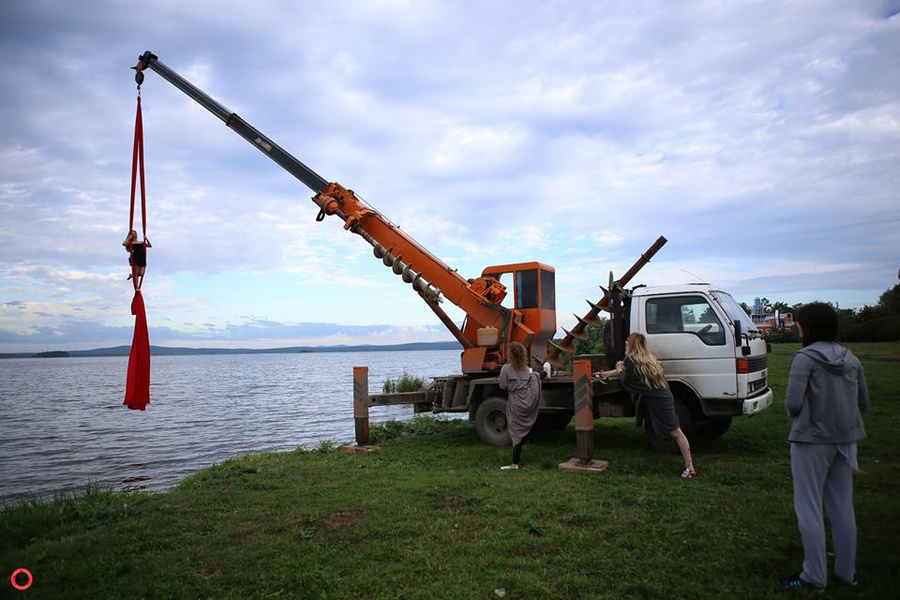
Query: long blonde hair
{"points": [[648, 367], [518, 357]]}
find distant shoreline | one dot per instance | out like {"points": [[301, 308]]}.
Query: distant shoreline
{"points": [[170, 351]]}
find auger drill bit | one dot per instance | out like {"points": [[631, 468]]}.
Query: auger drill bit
{"points": [[567, 344]]}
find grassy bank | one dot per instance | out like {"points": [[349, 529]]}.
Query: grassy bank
{"points": [[432, 516]]}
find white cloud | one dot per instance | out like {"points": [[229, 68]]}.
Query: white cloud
{"points": [[464, 149]]}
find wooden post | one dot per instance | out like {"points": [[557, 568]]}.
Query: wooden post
{"points": [[584, 421], [360, 404], [584, 411]]}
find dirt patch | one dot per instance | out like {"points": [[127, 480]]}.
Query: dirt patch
{"points": [[343, 519], [208, 573], [450, 500]]}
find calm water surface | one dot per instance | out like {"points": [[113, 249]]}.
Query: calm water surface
{"points": [[62, 423]]}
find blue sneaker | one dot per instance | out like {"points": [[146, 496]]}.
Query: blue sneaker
{"points": [[795, 583]]}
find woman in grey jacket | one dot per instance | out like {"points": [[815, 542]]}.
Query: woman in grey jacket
{"points": [[826, 395]]}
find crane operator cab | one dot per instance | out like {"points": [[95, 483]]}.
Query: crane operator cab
{"points": [[528, 315]]}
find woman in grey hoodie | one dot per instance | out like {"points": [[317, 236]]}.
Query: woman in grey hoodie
{"points": [[826, 395]]}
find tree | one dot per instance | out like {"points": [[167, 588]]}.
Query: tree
{"points": [[708, 316], [782, 307], [594, 344], [870, 313], [890, 299]]}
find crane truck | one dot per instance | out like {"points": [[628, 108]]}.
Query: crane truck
{"points": [[714, 357]]}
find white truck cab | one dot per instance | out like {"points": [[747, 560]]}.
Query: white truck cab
{"points": [[714, 357]]}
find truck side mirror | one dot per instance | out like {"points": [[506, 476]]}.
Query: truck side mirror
{"points": [[737, 332]]}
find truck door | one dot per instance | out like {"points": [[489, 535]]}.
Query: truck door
{"points": [[689, 337]]}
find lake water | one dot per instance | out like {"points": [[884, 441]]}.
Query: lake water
{"points": [[62, 423]]}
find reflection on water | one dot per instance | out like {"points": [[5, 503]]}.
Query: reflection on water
{"points": [[62, 423]]}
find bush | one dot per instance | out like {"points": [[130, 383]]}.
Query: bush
{"points": [[784, 336], [404, 383]]}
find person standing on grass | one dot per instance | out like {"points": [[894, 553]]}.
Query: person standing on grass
{"points": [[642, 374], [523, 397], [825, 398]]}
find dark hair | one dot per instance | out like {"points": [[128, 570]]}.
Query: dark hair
{"points": [[819, 323]]}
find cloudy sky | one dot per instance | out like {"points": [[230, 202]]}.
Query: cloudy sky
{"points": [[761, 138]]}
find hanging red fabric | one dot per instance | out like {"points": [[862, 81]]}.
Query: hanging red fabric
{"points": [[137, 387]]}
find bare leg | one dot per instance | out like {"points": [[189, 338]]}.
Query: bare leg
{"points": [[685, 447]]}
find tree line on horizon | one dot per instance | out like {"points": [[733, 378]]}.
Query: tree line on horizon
{"points": [[879, 323]]}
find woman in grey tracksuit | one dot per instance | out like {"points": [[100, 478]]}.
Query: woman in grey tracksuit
{"points": [[826, 395]]}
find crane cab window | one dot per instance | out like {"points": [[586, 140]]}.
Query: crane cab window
{"points": [[685, 314], [527, 289], [548, 289], [535, 288]]}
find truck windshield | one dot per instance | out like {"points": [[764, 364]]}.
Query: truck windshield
{"points": [[736, 313]]}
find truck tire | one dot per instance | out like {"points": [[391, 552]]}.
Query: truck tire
{"points": [[714, 428], [662, 441], [490, 422]]}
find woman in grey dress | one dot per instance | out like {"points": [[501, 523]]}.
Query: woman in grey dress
{"points": [[523, 397]]}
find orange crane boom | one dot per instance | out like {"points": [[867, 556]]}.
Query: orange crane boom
{"points": [[489, 326]]}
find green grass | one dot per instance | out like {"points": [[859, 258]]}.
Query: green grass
{"points": [[430, 515]]}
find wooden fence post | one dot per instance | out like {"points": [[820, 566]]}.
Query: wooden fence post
{"points": [[584, 411], [584, 421], [360, 404]]}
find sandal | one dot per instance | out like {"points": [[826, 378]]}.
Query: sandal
{"points": [[687, 474]]}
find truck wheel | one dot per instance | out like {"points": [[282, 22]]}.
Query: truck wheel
{"points": [[662, 441], [490, 422], [715, 428]]}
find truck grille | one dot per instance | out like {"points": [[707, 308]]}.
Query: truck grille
{"points": [[757, 363], [755, 386]]}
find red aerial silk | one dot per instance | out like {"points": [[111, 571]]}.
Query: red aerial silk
{"points": [[137, 387]]}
